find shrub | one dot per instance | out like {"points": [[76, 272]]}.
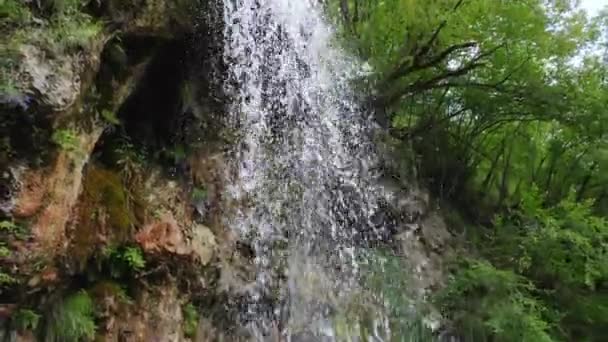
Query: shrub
{"points": [[68, 34], [485, 303]]}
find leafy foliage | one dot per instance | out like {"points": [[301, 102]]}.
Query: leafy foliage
{"points": [[492, 304], [387, 302], [72, 319], [13, 12], [25, 319], [4, 251], [504, 104], [6, 279], [67, 139], [125, 260], [385, 276], [8, 226]]}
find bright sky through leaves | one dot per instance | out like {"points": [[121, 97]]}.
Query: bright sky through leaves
{"points": [[593, 6]]}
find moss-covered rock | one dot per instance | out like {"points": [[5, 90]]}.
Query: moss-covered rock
{"points": [[104, 214]]}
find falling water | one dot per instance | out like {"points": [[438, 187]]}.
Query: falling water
{"points": [[305, 165]]}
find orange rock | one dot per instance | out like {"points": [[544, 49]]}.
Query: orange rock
{"points": [[163, 236], [167, 236], [49, 275], [31, 195]]}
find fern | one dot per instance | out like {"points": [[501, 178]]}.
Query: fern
{"points": [[8, 226], [134, 258], [124, 260], [6, 279], [72, 320], [4, 251], [25, 319]]}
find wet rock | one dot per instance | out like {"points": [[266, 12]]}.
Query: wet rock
{"points": [[203, 244], [155, 315], [9, 186], [435, 233], [54, 82], [62, 186], [166, 236], [426, 250], [31, 194]]}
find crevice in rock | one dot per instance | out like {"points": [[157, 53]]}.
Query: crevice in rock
{"points": [[174, 108], [154, 112]]}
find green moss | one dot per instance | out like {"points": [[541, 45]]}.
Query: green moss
{"points": [[67, 139], [190, 320], [8, 226], [104, 210], [13, 13], [106, 189], [4, 251]]}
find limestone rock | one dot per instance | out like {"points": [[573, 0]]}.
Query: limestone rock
{"points": [[203, 243], [54, 82]]}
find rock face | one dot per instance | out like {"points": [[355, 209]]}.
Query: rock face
{"points": [[54, 82], [166, 236], [86, 203], [155, 315]]}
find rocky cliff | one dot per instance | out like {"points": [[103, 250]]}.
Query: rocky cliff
{"points": [[110, 141]]}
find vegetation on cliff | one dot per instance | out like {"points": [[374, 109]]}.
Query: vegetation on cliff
{"points": [[504, 106], [96, 236]]}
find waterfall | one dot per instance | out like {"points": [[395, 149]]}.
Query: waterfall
{"points": [[304, 170]]}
